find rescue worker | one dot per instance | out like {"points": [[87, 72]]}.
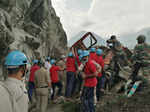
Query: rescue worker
{"points": [[42, 84], [13, 95], [71, 76], [56, 82], [116, 45], [77, 57], [119, 55], [141, 58], [93, 53], [62, 64], [90, 82], [31, 84], [100, 77], [79, 77]]}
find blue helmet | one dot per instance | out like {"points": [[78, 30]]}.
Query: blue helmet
{"points": [[92, 49], [86, 53], [53, 61], [35, 61], [99, 51], [15, 59], [70, 54], [79, 51]]}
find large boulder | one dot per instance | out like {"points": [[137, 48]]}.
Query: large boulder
{"points": [[32, 27], [6, 33]]}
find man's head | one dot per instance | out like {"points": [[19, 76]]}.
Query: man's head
{"points": [[85, 56], [141, 39], [63, 57], [99, 52], [80, 57], [93, 50], [41, 64], [79, 51], [70, 54], [113, 37], [53, 62], [35, 62], [15, 63]]}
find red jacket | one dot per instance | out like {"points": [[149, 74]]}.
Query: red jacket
{"points": [[93, 56], [70, 64], [100, 61], [33, 69], [54, 73], [89, 69]]}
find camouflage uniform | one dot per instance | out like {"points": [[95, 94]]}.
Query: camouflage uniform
{"points": [[141, 58], [119, 55], [119, 58], [116, 45], [118, 52]]}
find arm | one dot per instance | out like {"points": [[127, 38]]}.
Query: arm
{"points": [[35, 79], [109, 41], [48, 79], [89, 76], [93, 70], [92, 75], [135, 53], [102, 63], [59, 68]]}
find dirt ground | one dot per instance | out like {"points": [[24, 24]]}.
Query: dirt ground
{"points": [[55, 108], [140, 102], [51, 108], [113, 102]]}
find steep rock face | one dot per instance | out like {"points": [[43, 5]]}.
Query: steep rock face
{"points": [[31, 26]]}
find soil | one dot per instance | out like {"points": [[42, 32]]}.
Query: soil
{"points": [[112, 102], [118, 103], [55, 108]]}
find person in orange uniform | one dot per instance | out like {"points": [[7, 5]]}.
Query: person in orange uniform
{"points": [[55, 79], [100, 77], [71, 75], [89, 76], [31, 85]]}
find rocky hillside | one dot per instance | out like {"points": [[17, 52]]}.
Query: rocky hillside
{"points": [[31, 26]]}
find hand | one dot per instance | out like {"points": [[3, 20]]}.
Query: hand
{"points": [[81, 67], [96, 74], [49, 84], [83, 76]]}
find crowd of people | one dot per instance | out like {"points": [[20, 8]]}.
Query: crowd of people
{"points": [[80, 75], [86, 67]]}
